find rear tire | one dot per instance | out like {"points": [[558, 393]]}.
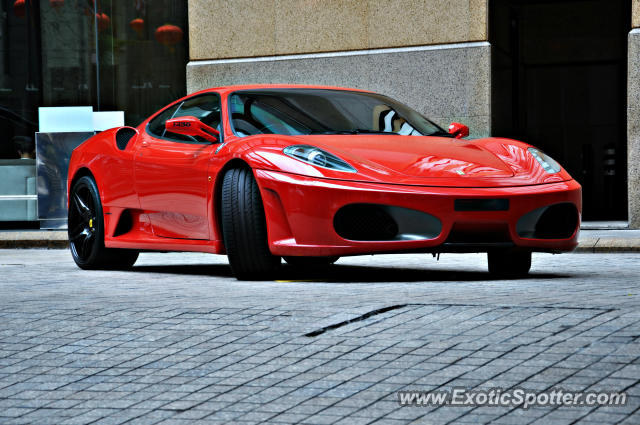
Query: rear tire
{"points": [[86, 231], [244, 227], [509, 263], [310, 261]]}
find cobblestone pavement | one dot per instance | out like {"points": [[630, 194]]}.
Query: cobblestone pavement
{"points": [[178, 340]]}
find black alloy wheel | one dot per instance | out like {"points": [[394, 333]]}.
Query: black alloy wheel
{"points": [[86, 231]]}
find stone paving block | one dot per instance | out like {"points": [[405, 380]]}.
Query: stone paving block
{"points": [[158, 346]]}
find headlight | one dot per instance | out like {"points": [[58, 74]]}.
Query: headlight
{"points": [[548, 163], [318, 157]]}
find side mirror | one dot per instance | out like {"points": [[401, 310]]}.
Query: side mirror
{"points": [[191, 126], [458, 130]]}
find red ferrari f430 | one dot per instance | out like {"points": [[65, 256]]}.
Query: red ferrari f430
{"points": [[310, 174]]}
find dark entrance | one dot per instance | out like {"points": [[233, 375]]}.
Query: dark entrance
{"points": [[559, 72]]}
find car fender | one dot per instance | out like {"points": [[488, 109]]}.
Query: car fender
{"points": [[111, 167]]}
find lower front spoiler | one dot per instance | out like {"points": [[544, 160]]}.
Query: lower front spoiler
{"points": [[300, 215]]}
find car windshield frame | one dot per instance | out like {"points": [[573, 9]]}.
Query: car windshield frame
{"points": [[386, 100]]}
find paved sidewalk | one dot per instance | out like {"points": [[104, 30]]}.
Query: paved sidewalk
{"points": [[177, 340], [609, 240]]}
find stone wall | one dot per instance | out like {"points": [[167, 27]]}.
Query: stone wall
{"points": [[429, 54], [446, 83], [247, 28]]}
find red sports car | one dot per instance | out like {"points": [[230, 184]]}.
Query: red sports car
{"points": [[310, 174]]}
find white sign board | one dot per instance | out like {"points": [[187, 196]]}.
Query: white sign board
{"points": [[105, 120], [65, 119], [68, 119]]}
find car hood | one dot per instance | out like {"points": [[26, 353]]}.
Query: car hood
{"points": [[419, 156], [408, 160]]}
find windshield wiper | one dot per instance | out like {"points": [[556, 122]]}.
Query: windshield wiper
{"points": [[354, 131], [441, 133], [367, 131], [329, 132]]}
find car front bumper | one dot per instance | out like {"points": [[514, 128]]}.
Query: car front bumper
{"points": [[301, 211]]}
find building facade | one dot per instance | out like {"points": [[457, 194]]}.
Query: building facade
{"points": [[563, 75], [109, 54]]}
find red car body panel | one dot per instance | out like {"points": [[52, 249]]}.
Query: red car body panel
{"points": [[169, 191]]}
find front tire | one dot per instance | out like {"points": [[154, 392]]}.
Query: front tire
{"points": [[509, 263], [244, 227], [86, 231]]}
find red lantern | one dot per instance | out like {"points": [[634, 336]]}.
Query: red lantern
{"points": [[56, 4], [137, 25], [19, 8], [169, 35], [103, 21]]}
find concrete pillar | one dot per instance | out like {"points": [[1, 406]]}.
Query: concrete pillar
{"points": [[633, 127]]}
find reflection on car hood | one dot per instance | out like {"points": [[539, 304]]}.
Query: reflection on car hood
{"points": [[417, 156]]}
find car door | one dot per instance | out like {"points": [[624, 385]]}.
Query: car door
{"points": [[171, 171]]}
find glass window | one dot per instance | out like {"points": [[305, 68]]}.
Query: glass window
{"points": [[204, 107], [156, 125], [113, 55], [142, 55], [319, 111]]}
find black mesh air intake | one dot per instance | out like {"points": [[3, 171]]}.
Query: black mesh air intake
{"points": [[557, 221], [124, 136], [365, 222]]}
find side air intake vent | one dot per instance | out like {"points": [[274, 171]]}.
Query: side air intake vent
{"points": [[125, 223], [124, 136], [557, 221], [372, 222]]}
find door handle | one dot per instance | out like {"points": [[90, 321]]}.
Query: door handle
{"points": [[144, 144]]}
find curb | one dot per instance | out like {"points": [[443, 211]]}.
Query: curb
{"points": [[49, 239], [33, 244], [603, 245]]}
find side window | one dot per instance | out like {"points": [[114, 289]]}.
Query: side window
{"points": [[156, 125], [204, 107]]}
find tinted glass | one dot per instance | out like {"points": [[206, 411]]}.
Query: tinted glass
{"points": [[142, 54], [113, 55], [156, 125], [318, 111], [205, 107]]}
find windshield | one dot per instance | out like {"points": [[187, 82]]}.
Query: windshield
{"points": [[320, 111]]}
